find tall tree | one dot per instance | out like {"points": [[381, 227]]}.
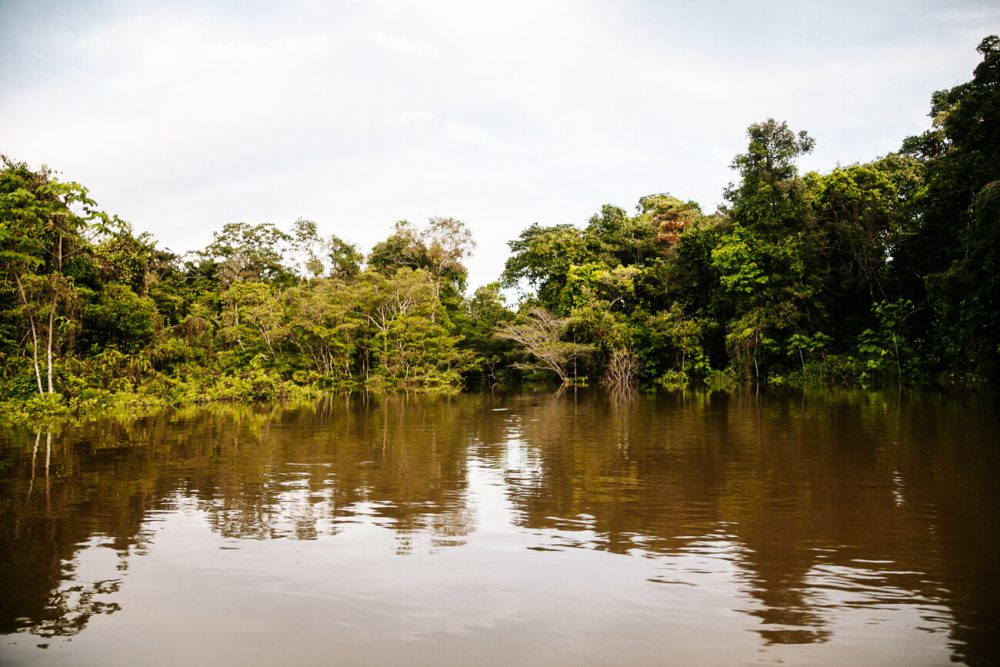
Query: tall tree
{"points": [[764, 262], [42, 225], [953, 257], [241, 252]]}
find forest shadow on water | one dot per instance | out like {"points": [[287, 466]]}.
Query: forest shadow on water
{"points": [[478, 529]]}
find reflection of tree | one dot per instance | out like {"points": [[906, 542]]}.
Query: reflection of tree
{"points": [[814, 500], [37, 537], [952, 485], [69, 609], [255, 472], [821, 504], [620, 464]]}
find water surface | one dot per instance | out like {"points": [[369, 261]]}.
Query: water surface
{"points": [[530, 530]]}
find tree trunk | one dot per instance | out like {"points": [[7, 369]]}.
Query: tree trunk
{"points": [[34, 335], [52, 311], [52, 318]]}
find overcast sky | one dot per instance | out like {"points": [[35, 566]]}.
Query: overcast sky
{"points": [[181, 117]]}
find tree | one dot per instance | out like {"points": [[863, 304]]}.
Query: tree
{"points": [[42, 225], [411, 343], [325, 326], [121, 318], [247, 253], [307, 248], [769, 192], [439, 249], [539, 333], [615, 238], [252, 319], [345, 258], [542, 257], [447, 244], [864, 213], [952, 258], [768, 262], [481, 316], [668, 216]]}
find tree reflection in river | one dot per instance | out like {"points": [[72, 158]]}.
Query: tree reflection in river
{"points": [[796, 509]]}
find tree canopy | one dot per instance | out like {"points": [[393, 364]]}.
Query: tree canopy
{"points": [[881, 273]]}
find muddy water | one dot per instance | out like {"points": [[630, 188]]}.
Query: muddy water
{"points": [[528, 530]]}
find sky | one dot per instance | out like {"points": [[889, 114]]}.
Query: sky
{"points": [[182, 117]]}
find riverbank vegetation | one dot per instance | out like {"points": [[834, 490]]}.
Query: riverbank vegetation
{"points": [[876, 274]]}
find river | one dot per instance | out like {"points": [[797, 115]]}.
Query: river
{"points": [[508, 530]]}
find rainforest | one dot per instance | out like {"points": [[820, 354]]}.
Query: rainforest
{"points": [[875, 275]]}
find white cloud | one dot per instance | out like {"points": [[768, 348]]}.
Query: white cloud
{"points": [[185, 117], [403, 46], [476, 136]]}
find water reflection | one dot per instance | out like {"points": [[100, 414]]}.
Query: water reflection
{"points": [[818, 521]]}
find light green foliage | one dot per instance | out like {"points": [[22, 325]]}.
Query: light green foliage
{"points": [[885, 350], [308, 248], [251, 321], [617, 239], [247, 253], [874, 274], [439, 250], [326, 331], [540, 334], [597, 284], [738, 262], [91, 311], [412, 345], [802, 345]]}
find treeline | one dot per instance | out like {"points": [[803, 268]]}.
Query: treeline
{"points": [[92, 310], [874, 274]]}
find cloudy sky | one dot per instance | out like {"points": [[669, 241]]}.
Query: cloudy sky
{"points": [[181, 117]]}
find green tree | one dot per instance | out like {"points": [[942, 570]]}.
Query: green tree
{"points": [[439, 250], [769, 194], [482, 315], [768, 262], [307, 248], [951, 259], [247, 253], [325, 326], [539, 333], [43, 222], [541, 258], [345, 258], [410, 345]]}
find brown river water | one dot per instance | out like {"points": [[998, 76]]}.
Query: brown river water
{"points": [[509, 530]]}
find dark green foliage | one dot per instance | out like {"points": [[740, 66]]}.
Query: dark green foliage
{"points": [[121, 318], [876, 274], [480, 319], [953, 252]]}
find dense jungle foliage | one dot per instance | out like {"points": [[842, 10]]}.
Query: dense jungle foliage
{"points": [[876, 274]]}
